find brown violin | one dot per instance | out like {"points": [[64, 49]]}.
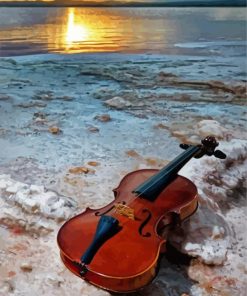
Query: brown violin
{"points": [[117, 247]]}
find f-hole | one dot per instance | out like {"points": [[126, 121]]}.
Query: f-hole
{"points": [[144, 223]]}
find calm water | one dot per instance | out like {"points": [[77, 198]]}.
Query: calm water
{"points": [[167, 30]]}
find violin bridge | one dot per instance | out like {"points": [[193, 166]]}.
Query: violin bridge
{"points": [[124, 211]]}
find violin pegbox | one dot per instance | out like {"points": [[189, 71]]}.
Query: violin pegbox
{"points": [[207, 147]]}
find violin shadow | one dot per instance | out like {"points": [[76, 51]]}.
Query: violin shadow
{"points": [[172, 278]]}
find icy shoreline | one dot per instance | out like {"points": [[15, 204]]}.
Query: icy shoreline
{"points": [[73, 126]]}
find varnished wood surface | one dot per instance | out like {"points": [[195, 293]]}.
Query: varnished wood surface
{"points": [[128, 258]]}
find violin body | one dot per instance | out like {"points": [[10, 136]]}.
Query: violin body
{"points": [[117, 247], [128, 260]]}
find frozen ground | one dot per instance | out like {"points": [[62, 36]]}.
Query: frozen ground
{"points": [[106, 115]]}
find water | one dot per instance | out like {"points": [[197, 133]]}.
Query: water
{"points": [[140, 30], [33, 92]]}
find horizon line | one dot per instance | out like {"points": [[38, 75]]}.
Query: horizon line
{"points": [[217, 3]]}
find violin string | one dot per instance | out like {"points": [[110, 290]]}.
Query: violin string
{"points": [[157, 180], [187, 152], [140, 194], [168, 171]]}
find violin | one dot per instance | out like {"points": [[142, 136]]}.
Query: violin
{"points": [[117, 247]]}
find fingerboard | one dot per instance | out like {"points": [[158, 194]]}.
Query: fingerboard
{"points": [[153, 186]]}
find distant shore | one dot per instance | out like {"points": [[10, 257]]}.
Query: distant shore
{"points": [[216, 3]]}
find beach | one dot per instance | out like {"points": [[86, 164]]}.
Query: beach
{"points": [[73, 125]]}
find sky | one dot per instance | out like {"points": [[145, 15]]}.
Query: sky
{"points": [[142, 1], [122, 1], [90, 0]]}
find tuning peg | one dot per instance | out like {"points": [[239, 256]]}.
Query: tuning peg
{"points": [[210, 141], [207, 148], [184, 146], [219, 154]]}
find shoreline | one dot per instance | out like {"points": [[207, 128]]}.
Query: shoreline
{"points": [[188, 49], [114, 55]]}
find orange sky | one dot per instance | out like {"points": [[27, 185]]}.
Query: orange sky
{"points": [[81, 1], [26, 0], [77, 0]]}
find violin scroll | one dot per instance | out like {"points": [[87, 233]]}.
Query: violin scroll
{"points": [[207, 148]]}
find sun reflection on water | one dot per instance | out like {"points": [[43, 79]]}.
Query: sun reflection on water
{"points": [[76, 32], [87, 30]]}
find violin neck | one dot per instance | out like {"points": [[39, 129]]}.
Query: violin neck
{"points": [[153, 186]]}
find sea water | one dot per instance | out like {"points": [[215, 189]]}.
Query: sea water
{"points": [[200, 31]]}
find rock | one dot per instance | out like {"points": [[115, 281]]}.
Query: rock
{"points": [[40, 121], [179, 133], [4, 132], [4, 97], [6, 287], [54, 279], [160, 126], [118, 103], [39, 118], [13, 188], [102, 92], [31, 104], [212, 128], [54, 130], [162, 75], [73, 180], [240, 90], [11, 273], [93, 163], [26, 267], [79, 170], [132, 153], [214, 283], [218, 232], [93, 129], [103, 117], [151, 161], [207, 234], [184, 97], [46, 96], [65, 98], [194, 139], [40, 115], [29, 200]]}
